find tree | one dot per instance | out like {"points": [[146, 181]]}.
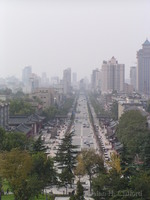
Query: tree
{"points": [[90, 163], [80, 191], [148, 106], [132, 131], [42, 171], [16, 140], [38, 145], [15, 166], [66, 159], [114, 163], [26, 174], [140, 184], [50, 113], [100, 186], [2, 137], [21, 107], [114, 110], [6, 91]]}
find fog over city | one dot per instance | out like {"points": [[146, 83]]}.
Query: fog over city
{"points": [[53, 35]]}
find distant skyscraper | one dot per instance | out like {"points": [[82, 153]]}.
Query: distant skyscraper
{"points": [[133, 76], [143, 69], [54, 80], [26, 75], [34, 82], [74, 78], [112, 76], [67, 80], [44, 80], [96, 80]]}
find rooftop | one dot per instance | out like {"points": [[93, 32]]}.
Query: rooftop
{"points": [[146, 42]]}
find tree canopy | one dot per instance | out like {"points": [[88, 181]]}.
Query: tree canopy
{"points": [[20, 107], [132, 131]]}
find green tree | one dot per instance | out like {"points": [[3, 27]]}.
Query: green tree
{"points": [[16, 140], [21, 107], [6, 91], [43, 172], [114, 110], [132, 131], [27, 174], [90, 163], [148, 106], [50, 113], [140, 184], [80, 191], [38, 145], [66, 159], [2, 137], [15, 166]]}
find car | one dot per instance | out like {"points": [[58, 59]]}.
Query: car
{"points": [[85, 141]]}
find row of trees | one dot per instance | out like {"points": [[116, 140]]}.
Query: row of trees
{"points": [[99, 107], [22, 106]]}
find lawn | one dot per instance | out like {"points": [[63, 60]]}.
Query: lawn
{"points": [[11, 197]]}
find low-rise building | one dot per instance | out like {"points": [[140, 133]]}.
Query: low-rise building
{"points": [[47, 96], [30, 125]]}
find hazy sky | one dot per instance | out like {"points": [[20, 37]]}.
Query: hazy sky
{"points": [[51, 35]]}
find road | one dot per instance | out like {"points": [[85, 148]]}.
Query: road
{"points": [[83, 131], [83, 137]]}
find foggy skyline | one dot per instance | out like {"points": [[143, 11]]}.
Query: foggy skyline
{"points": [[53, 35]]}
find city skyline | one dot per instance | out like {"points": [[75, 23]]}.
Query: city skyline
{"points": [[52, 36]]}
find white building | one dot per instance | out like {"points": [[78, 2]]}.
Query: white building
{"points": [[113, 76]]}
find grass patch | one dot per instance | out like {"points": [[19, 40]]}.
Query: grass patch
{"points": [[8, 197], [11, 197], [5, 185]]}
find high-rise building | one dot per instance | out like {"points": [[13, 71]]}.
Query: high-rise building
{"points": [[143, 69], [34, 82], [55, 80], [26, 75], [67, 80], [26, 79], [133, 76], [74, 81], [74, 78], [44, 80], [113, 76], [96, 80]]}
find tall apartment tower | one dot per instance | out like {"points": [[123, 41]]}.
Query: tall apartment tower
{"points": [[96, 80], [26, 75], [113, 76], [143, 69], [67, 80], [74, 78], [133, 81]]}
